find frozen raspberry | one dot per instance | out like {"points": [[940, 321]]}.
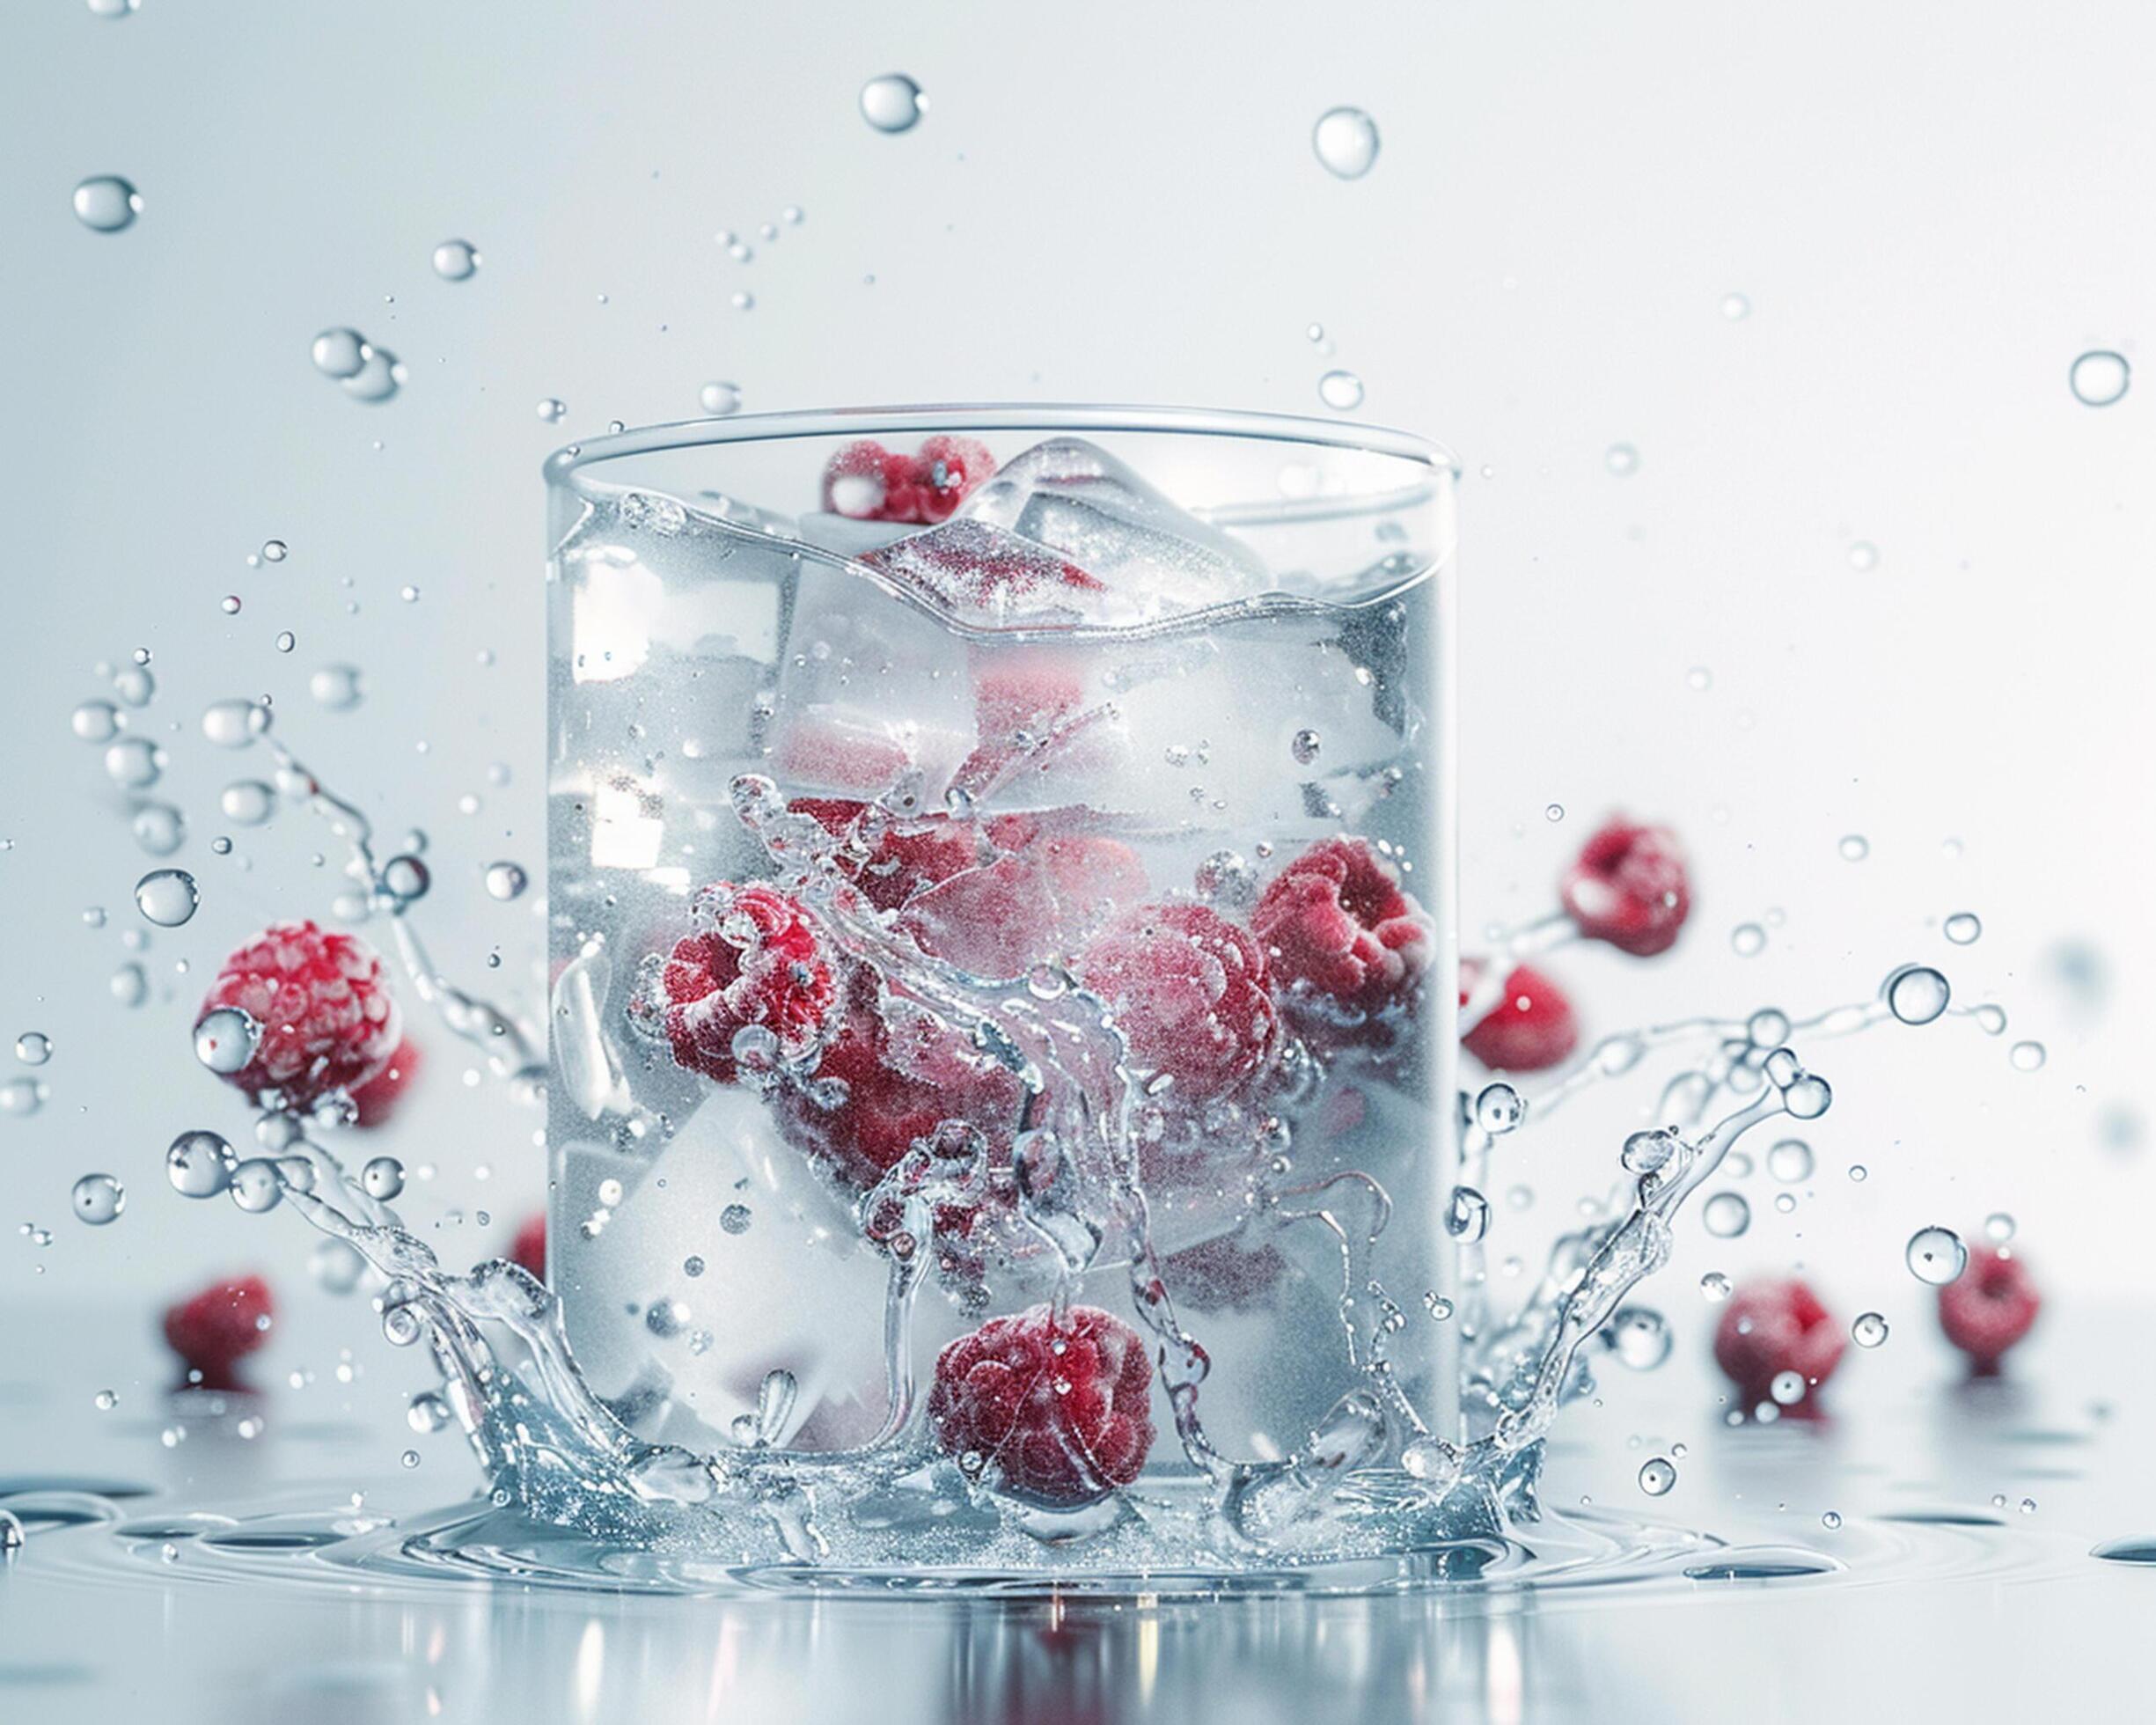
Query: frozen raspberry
{"points": [[868, 482], [213, 1332], [1989, 1307], [859, 479], [1771, 1327], [1343, 937], [1529, 1029], [529, 1248], [945, 471], [374, 1101], [1033, 905], [908, 857], [754, 964], [1055, 1413], [321, 1005], [1629, 887], [1190, 991]]}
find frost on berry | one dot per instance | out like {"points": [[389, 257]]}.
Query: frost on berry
{"points": [[319, 1002], [866, 482], [1629, 886], [1347, 943], [1191, 994], [751, 989]]}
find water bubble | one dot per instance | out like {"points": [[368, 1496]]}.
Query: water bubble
{"points": [[134, 763], [1715, 1286], [1998, 1228], [1964, 928], [99, 1199], [256, 1185], [380, 376], [1736, 307], [505, 881], [338, 353], [159, 828], [247, 801], [166, 897], [230, 605], [410, 1458], [1554, 814], [2027, 1056], [736, 1218], [665, 1317], [428, 1412], [33, 1047], [1855, 848], [21, 1096], [553, 409], [691, 1266], [1916, 994], [1467, 1217], [1648, 1152], [135, 684], [1621, 459], [234, 724], [1936, 1255], [1226, 878], [1859, 1172], [11, 1535], [456, 260], [1790, 1161], [95, 722], [129, 984], [286, 641], [1830, 1521], [1747, 940], [1341, 391], [1639, 1337], [225, 1039], [336, 1265], [892, 103], [105, 1401], [105, 203], [1788, 1388], [1863, 556], [336, 686], [720, 399], [2099, 378], [1657, 1476], [1499, 1109], [405, 879], [1726, 1215], [1304, 746], [1346, 141], [381, 1178]]}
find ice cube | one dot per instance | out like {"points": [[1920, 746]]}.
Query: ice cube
{"points": [[980, 573]]}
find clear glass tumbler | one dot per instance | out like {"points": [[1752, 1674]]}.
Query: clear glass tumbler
{"points": [[1003, 912]]}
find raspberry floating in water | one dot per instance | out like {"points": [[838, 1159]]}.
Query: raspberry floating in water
{"points": [[1769, 1328], [1343, 938], [1190, 991], [1989, 1307], [320, 1007], [1629, 887], [213, 1332], [864, 481], [907, 856], [755, 965], [374, 1101], [1531, 1029], [1056, 1413], [1054, 883], [528, 1250]]}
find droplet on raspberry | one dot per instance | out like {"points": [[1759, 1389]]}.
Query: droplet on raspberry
{"points": [[752, 986], [1191, 993], [1629, 886], [1768, 1328], [326, 1021], [1347, 943]]}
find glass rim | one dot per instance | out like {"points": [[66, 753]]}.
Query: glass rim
{"points": [[562, 466]]}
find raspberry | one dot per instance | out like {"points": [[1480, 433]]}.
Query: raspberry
{"points": [[1530, 1027], [1629, 887], [1225, 1272], [529, 1248], [818, 747], [322, 1006], [374, 1101], [1342, 935], [1054, 1413], [213, 1332], [1989, 1307], [908, 857], [754, 964], [858, 480], [1769, 1328], [1033, 905], [866, 482], [1190, 991], [945, 471]]}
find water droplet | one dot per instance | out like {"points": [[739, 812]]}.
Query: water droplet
{"points": [[129, 985], [287, 641], [405, 879], [1499, 1109], [720, 399], [2027, 1056], [1863, 556], [553, 409], [11, 1535], [1648, 1152], [505, 881], [1964, 928], [99, 1199], [691, 1266], [1304, 746], [2099, 378], [33, 1047], [225, 1039], [1554, 814], [1657, 1476], [105, 1401], [247, 801], [1916, 994], [1736, 307], [133, 762], [107, 204], [381, 1178], [428, 1412], [1639, 1337], [1726, 1215], [1790, 1161], [166, 897], [410, 1458], [336, 686], [892, 103], [256, 1185], [1341, 391], [112, 8], [1788, 1388], [95, 722], [338, 353], [1936, 1255], [159, 828], [380, 375], [456, 260], [736, 1218], [1715, 1286], [135, 686], [21, 1096], [1622, 459], [234, 724], [1747, 940], [1855, 848], [1830, 1521], [336, 1265], [1346, 142], [1467, 1217]]}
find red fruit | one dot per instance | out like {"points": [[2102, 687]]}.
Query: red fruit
{"points": [[1190, 991], [858, 480], [1769, 1328], [1055, 1413], [1033, 906], [1629, 887], [529, 1248], [213, 1332], [868, 482], [945, 470], [373, 1101], [1989, 1307], [1223, 1274], [908, 855], [1530, 1027], [755, 962], [322, 1006], [817, 747], [1342, 935]]}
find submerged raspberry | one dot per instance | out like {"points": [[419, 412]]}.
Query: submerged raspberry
{"points": [[528, 1250], [906, 857], [946, 470], [1056, 1412], [1227, 1273], [1989, 1307], [868, 482], [1530, 1027], [1343, 936], [1629, 886], [1190, 991], [321, 1006], [1771, 1327], [374, 1101], [755, 966], [217, 1328]]}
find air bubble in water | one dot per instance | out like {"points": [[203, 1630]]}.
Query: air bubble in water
{"points": [[1726, 1215], [505, 881], [1657, 1476], [456, 260], [1346, 142], [736, 1218], [338, 353], [336, 686], [381, 1178], [1788, 1388], [1226, 878], [1936, 1255], [1621, 459], [720, 399], [1790, 1161], [105, 203], [226, 1038], [2099, 378], [553, 409], [99, 1199], [33, 1047], [1916, 994], [133, 762], [380, 375], [2027, 1056], [95, 722], [892, 103], [1341, 391], [247, 801], [1304, 746], [159, 828], [166, 897], [234, 724]]}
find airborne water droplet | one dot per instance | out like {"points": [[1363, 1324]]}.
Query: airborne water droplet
{"points": [[166, 897], [33, 1047], [1936, 1255], [2027, 1056], [1346, 142], [225, 1039], [719, 398], [1341, 391], [1917, 994], [1622, 459], [105, 203], [1964, 928], [99, 1199], [338, 353], [2099, 378], [892, 103], [336, 686], [1726, 1215], [1657, 1476], [456, 260], [505, 881]]}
